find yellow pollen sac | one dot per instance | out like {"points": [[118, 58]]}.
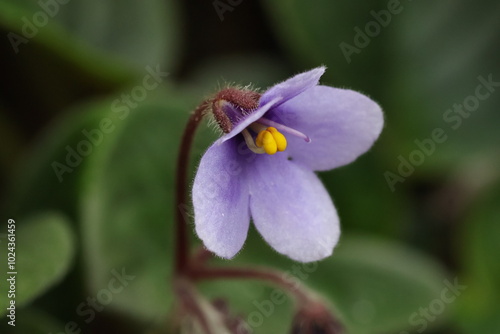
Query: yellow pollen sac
{"points": [[271, 140]]}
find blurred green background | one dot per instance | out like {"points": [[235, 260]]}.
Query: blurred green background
{"points": [[89, 139]]}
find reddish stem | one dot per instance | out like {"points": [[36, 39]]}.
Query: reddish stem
{"points": [[264, 274], [181, 185]]}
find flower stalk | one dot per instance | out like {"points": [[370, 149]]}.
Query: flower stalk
{"points": [[181, 185]]}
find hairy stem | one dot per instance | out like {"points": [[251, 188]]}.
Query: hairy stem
{"points": [[181, 186]]}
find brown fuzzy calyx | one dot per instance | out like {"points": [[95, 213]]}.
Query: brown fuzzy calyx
{"points": [[241, 99]]}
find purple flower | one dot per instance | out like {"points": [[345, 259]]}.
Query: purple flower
{"points": [[263, 167]]}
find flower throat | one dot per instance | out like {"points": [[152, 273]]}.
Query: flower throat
{"points": [[230, 106]]}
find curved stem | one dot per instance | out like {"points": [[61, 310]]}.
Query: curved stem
{"points": [[278, 278], [181, 185]]}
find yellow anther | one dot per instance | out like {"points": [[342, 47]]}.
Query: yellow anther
{"points": [[269, 143], [271, 140], [258, 140], [279, 138]]}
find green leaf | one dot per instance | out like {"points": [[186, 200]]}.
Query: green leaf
{"points": [[127, 206], [44, 251], [377, 285], [108, 39], [366, 173], [314, 34], [437, 66], [46, 169], [373, 284], [477, 310]]}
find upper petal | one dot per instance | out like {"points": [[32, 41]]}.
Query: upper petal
{"points": [[291, 209], [220, 200], [342, 125], [293, 86]]}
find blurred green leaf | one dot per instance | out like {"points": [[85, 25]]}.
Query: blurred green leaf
{"points": [[127, 205], [477, 310], [377, 285], [374, 285], [314, 34], [437, 65], [366, 173], [108, 39], [45, 247], [41, 172]]}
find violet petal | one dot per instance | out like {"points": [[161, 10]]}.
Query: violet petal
{"points": [[291, 209], [293, 86], [220, 200], [342, 125]]}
